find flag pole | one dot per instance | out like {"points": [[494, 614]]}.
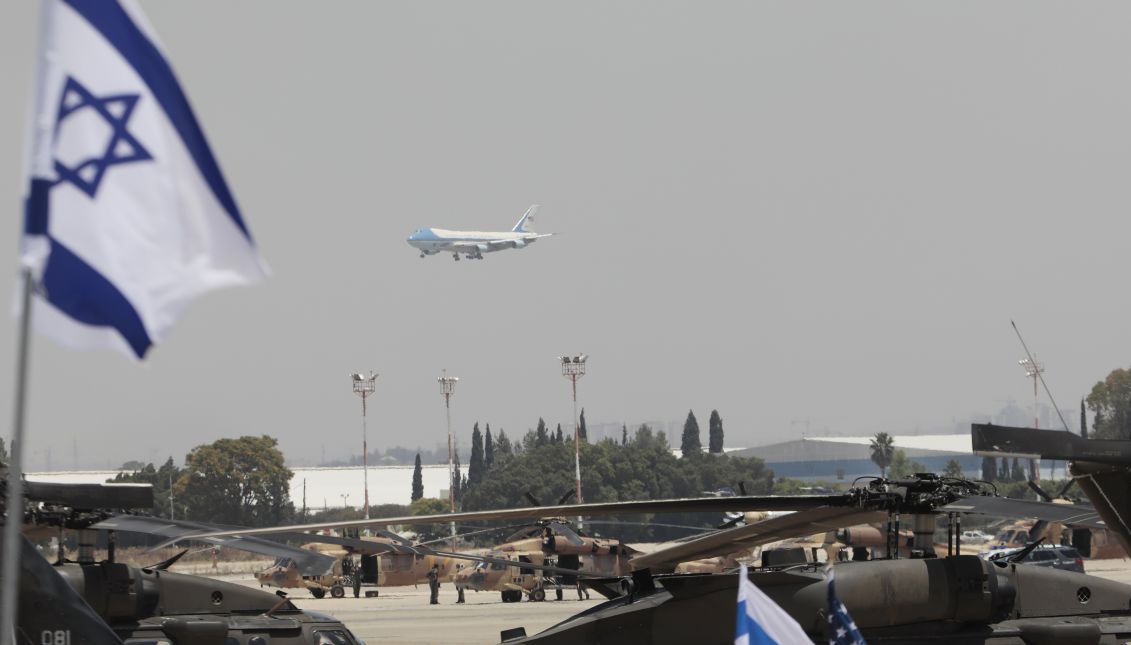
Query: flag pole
{"points": [[14, 504]]}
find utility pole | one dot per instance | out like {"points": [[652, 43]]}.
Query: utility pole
{"points": [[363, 386], [573, 368], [447, 389], [1033, 370]]}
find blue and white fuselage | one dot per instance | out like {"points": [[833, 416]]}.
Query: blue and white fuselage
{"points": [[473, 244]]}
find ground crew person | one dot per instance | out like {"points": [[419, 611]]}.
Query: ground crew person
{"points": [[357, 582], [434, 584]]}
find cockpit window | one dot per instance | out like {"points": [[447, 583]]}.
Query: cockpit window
{"points": [[332, 637]]}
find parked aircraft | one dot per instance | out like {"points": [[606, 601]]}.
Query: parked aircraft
{"points": [[955, 598], [473, 244], [551, 542], [386, 560]]}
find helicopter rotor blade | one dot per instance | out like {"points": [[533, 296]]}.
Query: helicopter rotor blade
{"points": [[1064, 489], [1036, 488], [566, 531], [165, 564]]}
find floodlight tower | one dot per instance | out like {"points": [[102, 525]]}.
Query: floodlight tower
{"points": [[573, 368], [363, 386], [1033, 369], [447, 389]]}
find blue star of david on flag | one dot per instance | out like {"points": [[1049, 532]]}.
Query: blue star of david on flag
{"points": [[121, 147], [127, 217], [843, 630]]}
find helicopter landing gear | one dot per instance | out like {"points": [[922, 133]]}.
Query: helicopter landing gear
{"points": [[511, 595], [318, 592], [538, 595], [338, 591], [455, 256]]}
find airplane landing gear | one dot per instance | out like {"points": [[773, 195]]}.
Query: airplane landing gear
{"points": [[455, 256]]}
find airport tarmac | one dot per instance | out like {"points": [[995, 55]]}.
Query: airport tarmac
{"points": [[402, 615]]}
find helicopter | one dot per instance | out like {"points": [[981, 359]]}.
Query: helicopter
{"points": [[550, 541], [954, 598], [386, 560], [106, 602]]}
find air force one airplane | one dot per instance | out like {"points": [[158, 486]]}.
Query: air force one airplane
{"points": [[473, 244]]}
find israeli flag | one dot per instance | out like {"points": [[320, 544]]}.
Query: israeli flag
{"points": [[761, 621], [127, 217]]}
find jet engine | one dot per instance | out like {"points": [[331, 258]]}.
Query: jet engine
{"points": [[518, 244]]}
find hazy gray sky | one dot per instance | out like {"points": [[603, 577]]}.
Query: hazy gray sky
{"points": [[791, 212]]}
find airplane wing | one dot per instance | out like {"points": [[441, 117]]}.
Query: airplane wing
{"points": [[309, 563], [741, 538]]}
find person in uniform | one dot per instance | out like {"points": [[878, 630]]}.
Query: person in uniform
{"points": [[434, 584], [356, 582], [582, 590]]}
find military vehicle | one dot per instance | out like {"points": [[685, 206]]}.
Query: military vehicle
{"points": [[952, 599], [549, 542], [384, 561], [107, 602]]}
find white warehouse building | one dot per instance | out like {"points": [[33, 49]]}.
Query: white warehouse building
{"points": [[321, 488]]}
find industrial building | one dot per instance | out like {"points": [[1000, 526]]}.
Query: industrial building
{"points": [[319, 488], [846, 458]]}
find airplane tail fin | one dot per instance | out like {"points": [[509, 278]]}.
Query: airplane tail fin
{"points": [[527, 216]]}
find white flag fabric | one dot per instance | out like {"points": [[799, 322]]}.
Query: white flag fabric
{"points": [[760, 621], [127, 216]]}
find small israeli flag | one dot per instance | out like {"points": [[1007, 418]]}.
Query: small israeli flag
{"points": [[760, 621], [127, 217]]}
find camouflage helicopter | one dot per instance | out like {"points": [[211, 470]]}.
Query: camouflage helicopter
{"points": [[386, 560], [107, 602], [549, 541], [325, 564]]}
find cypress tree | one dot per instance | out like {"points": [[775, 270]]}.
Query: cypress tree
{"points": [[690, 445], [989, 468], [417, 480], [541, 436], [488, 450], [457, 479], [624, 434], [503, 444], [1083, 420], [715, 434], [582, 433], [558, 438], [475, 464]]}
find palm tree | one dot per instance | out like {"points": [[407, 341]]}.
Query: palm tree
{"points": [[883, 449]]}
